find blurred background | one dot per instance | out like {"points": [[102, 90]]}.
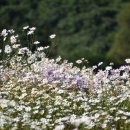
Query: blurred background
{"points": [[98, 30]]}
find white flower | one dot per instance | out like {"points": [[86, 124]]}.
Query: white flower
{"points": [[46, 47], [4, 38], [79, 61], [127, 61], [27, 109], [94, 67], [26, 27], [127, 121], [125, 75], [58, 59], [104, 126], [36, 42], [42, 55], [108, 68], [4, 33], [0, 50], [33, 28], [30, 32], [16, 120], [97, 115], [13, 39], [11, 31], [52, 36], [100, 63], [15, 46], [43, 120], [124, 117], [4, 103], [36, 111], [26, 116], [44, 81], [23, 50], [111, 63], [117, 118], [19, 58], [40, 48], [31, 59], [42, 112], [8, 49], [127, 113], [12, 103], [59, 127], [29, 53]]}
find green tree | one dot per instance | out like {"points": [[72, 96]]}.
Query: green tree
{"points": [[84, 28], [121, 48]]}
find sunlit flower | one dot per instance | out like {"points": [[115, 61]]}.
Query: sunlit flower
{"points": [[27, 109], [44, 81], [13, 39], [15, 46], [32, 29], [46, 47], [111, 63], [127, 61], [59, 127], [7, 49], [52, 36], [12, 103], [58, 59], [4, 33], [26, 27], [11, 31], [36, 42], [100, 63], [30, 32], [108, 68], [104, 125], [79, 61], [40, 48]]}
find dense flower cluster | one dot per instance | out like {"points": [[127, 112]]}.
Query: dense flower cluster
{"points": [[51, 94]]}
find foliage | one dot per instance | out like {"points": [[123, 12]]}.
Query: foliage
{"points": [[85, 28], [120, 49]]}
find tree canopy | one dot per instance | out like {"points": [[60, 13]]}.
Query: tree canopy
{"points": [[121, 48], [84, 28]]}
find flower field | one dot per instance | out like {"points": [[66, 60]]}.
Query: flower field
{"points": [[39, 93]]}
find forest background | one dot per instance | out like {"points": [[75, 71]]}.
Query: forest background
{"points": [[98, 30]]}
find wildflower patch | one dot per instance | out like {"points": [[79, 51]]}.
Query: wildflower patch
{"points": [[39, 93]]}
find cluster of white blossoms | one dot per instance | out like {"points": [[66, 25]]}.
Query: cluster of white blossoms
{"points": [[30, 31], [8, 49], [39, 93], [13, 39]]}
